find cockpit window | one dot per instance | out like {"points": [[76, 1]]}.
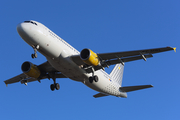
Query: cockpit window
{"points": [[30, 22]]}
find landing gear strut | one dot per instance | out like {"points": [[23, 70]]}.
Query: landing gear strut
{"points": [[36, 47]]}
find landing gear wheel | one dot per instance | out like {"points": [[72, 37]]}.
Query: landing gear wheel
{"points": [[96, 78], [57, 86], [34, 56], [90, 79], [36, 47], [52, 87]]}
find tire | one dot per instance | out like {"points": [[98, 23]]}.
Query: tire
{"points": [[35, 55], [32, 55], [52, 87], [96, 78], [90, 79], [57, 86]]}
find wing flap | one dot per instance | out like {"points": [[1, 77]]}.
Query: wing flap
{"points": [[129, 59], [30, 79]]}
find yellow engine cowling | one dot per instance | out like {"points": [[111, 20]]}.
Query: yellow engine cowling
{"points": [[30, 70], [89, 57]]}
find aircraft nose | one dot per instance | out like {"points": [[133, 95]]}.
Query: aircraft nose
{"points": [[23, 29], [27, 32], [20, 28]]}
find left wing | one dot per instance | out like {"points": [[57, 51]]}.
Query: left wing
{"points": [[45, 67], [128, 54], [108, 59]]}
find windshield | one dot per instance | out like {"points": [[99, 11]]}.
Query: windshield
{"points": [[30, 22]]}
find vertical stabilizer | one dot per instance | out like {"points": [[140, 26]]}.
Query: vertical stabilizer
{"points": [[117, 73]]}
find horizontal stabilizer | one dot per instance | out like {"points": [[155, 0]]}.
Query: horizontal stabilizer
{"points": [[99, 95], [133, 88]]}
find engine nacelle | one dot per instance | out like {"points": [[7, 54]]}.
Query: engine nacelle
{"points": [[30, 70], [89, 57]]}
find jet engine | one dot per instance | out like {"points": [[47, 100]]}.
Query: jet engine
{"points": [[89, 57], [30, 70]]}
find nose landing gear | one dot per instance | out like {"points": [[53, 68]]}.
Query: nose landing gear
{"points": [[36, 47]]}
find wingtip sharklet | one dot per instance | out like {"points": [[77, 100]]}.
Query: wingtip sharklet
{"points": [[174, 49]]}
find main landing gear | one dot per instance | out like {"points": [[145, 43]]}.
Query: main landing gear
{"points": [[36, 47], [55, 85], [93, 77]]}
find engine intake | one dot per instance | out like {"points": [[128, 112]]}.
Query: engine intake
{"points": [[89, 57], [30, 70]]}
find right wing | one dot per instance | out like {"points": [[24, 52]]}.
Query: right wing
{"points": [[45, 67]]}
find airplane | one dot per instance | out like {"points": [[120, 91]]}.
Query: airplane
{"points": [[64, 61]]}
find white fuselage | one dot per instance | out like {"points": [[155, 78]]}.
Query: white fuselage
{"points": [[58, 52]]}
